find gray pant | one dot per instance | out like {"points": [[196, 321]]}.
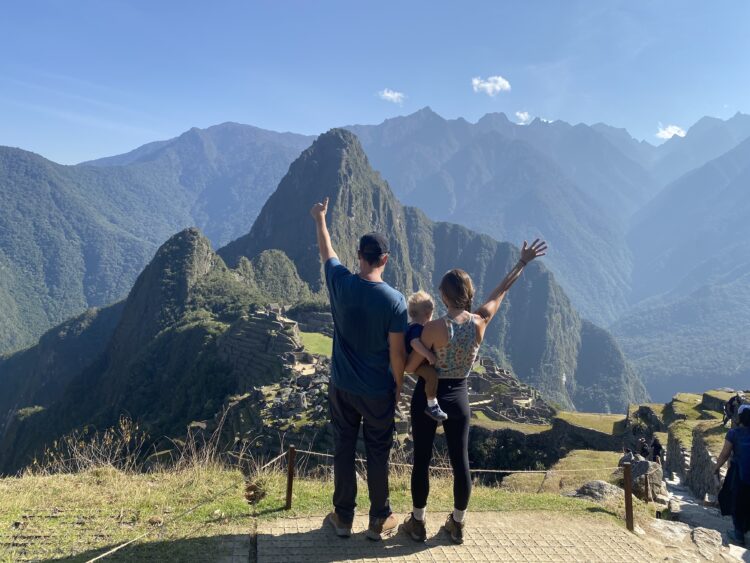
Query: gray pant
{"points": [[376, 414]]}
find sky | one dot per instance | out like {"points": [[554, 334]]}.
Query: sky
{"points": [[82, 79]]}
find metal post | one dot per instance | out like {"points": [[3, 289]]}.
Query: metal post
{"points": [[628, 476], [291, 456]]}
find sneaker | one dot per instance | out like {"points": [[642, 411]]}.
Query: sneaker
{"points": [[435, 413], [414, 528], [736, 537], [455, 529], [381, 527], [342, 529]]}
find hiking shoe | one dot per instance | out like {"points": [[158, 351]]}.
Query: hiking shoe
{"points": [[342, 529], [414, 528], [736, 537], [455, 530], [381, 527], [436, 413]]}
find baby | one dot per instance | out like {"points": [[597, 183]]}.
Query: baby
{"points": [[420, 308]]}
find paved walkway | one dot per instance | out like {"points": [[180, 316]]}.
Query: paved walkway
{"points": [[489, 536]]}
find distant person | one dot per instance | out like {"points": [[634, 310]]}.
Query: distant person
{"points": [[657, 450], [737, 445], [421, 307], [643, 449], [454, 339], [731, 407], [367, 372]]}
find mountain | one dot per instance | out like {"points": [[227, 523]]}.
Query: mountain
{"points": [[567, 182], [164, 355], [155, 355], [692, 273], [538, 332], [74, 237], [707, 139]]}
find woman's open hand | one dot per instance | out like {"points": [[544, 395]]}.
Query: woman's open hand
{"points": [[537, 248]]}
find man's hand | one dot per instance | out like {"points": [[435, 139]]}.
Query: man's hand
{"points": [[319, 210], [537, 248]]}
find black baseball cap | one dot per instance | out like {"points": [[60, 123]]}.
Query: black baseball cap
{"points": [[373, 245]]}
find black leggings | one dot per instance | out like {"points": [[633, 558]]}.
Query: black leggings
{"points": [[453, 395]]}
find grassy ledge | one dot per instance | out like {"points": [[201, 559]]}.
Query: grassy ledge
{"points": [[317, 343], [612, 424]]}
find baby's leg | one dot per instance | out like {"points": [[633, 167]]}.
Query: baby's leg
{"points": [[430, 376]]}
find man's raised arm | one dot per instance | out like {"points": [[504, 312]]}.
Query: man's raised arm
{"points": [[318, 213]]}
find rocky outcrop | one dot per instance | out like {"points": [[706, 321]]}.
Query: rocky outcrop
{"points": [[599, 491], [651, 472]]}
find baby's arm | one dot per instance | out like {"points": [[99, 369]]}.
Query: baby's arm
{"points": [[423, 351]]}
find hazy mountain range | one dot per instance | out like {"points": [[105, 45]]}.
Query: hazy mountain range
{"points": [[631, 226], [157, 352]]}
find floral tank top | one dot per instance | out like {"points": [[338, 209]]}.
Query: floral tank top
{"points": [[455, 360]]}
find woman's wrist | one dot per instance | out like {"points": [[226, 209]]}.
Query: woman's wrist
{"points": [[522, 261]]}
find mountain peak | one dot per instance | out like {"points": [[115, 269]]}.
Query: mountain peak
{"points": [[335, 167], [161, 293]]}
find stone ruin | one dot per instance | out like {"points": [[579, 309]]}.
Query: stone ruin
{"points": [[501, 396]]}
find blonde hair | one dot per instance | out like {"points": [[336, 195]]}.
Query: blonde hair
{"points": [[420, 303]]}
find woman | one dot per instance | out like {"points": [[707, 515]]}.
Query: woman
{"points": [[737, 442], [455, 340]]}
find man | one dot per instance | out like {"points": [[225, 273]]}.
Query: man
{"points": [[367, 371]]}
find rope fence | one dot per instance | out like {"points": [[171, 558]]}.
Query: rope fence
{"points": [[182, 514], [292, 452], [291, 458]]}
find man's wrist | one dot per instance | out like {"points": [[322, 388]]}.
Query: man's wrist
{"points": [[522, 261]]}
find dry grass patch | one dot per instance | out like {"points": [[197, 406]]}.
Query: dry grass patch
{"points": [[480, 419]]}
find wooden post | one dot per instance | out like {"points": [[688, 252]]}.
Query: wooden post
{"points": [[648, 488], [628, 476], [291, 457]]}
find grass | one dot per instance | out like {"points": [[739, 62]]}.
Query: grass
{"points": [[612, 424], [682, 430], [480, 419], [714, 435], [598, 465], [317, 343], [79, 515], [723, 396], [683, 406], [45, 517]]}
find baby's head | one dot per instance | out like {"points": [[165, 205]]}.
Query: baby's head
{"points": [[420, 307]]}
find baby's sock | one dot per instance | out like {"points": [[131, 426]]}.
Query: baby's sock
{"points": [[419, 513], [431, 402], [459, 515]]}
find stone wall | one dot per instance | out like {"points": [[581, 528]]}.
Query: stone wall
{"points": [[314, 321], [254, 347], [678, 456], [701, 478]]}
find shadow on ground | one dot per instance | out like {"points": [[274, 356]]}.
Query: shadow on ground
{"points": [[223, 548]]}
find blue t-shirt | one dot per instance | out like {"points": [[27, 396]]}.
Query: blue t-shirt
{"points": [[364, 313], [740, 440], [413, 331]]}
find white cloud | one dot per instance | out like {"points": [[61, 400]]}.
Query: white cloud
{"points": [[492, 86], [523, 117], [670, 131], [392, 96]]}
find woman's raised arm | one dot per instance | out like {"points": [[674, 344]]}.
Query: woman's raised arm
{"points": [[528, 253]]}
